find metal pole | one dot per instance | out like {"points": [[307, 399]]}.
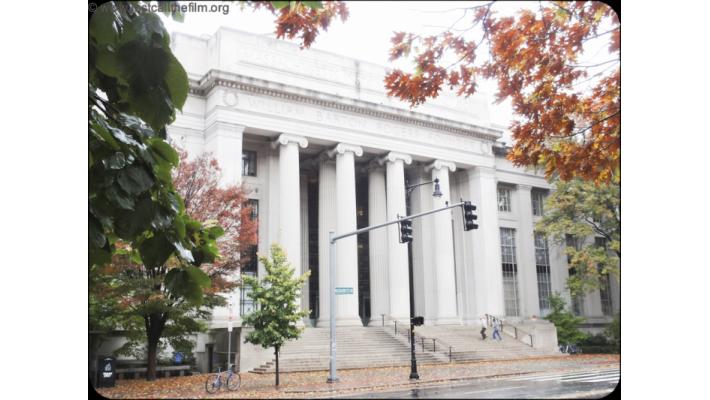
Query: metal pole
{"points": [[333, 377], [413, 374], [229, 331], [369, 228]]}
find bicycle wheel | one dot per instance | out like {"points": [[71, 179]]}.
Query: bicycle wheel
{"points": [[213, 383], [234, 381]]}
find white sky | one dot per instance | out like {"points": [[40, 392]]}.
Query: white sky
{"points": [[366, 33]]}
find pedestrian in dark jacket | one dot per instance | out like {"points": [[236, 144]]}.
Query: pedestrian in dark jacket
{"points": [[483, 328]]}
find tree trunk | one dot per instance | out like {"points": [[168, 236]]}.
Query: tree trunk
{"points": [[152, 358], [277, 364], [154, 324]]}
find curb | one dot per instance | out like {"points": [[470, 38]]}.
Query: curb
{"points": [[407, 384]]}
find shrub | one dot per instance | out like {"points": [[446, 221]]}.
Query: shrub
{"points": [[565, 322]]}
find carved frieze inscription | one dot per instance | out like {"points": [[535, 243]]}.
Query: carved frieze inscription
{"points": [[306, 113]]}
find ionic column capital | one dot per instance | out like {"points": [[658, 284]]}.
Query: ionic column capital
{"points": [[439, 164], [286, 138], [342, 148], [393, 156]]}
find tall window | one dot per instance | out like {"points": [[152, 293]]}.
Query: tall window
{"points": [[577, 301], [605, 283], [246, 305], [542, 263], [538, 198], [510, 271], [248, 163], [504, 199], [254, 205], [605, 294]]}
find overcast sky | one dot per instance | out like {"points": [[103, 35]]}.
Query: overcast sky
{"points": [[366, 33]]}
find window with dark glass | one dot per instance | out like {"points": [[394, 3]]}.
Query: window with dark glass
{"points": [[604, 283], [538, 199], [254, 205], [577, 301], [510, 271], [542, 264], [246, 305], [504, 199], [248, 163]]}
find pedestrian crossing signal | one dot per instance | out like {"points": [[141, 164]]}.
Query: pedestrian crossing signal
{"points": [[417, 321], [469, 217]]}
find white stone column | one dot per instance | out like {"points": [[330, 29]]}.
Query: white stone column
{"points": [[397, 256], [377, 214], [527, 270], [346, 249], [444, 249], [289, 235], [422, 249], [485, 242], [326, 223], [305, 304]]}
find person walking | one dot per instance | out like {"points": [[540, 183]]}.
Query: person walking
{"points": [[496, 330], [483, 328]]}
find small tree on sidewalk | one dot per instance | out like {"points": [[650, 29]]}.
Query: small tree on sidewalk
{"points": [[565, 322], [277, 313]]}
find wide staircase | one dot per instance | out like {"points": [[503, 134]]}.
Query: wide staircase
{"points": [[465, 344], [381, 346], [357, 347]]}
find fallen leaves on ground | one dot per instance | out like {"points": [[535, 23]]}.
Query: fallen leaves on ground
{"points": [[312, 384]]}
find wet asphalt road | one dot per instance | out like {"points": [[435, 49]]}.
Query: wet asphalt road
{"points": [[579, 384]]}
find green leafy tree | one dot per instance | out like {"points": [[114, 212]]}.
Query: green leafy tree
{"points": [[135, 87], [579, 210], [277, 312], [565, 322], [137, 220], [613, 331]]}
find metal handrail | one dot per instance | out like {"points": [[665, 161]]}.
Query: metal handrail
{"points": [[405, 331], [517, 332]]}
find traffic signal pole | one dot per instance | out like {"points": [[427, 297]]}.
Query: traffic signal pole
{"points": [[333, 238]]}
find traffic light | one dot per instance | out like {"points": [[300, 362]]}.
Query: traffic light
{"points": [[405, 230], [417, 321], [469, 217]]}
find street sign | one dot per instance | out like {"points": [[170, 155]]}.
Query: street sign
{"points": [[229, 326], [343, 290]]}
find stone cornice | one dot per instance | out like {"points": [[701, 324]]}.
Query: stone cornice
{"points": [[215, 78]]}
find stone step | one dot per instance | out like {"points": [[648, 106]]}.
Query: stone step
{"points": [[360, 347]]}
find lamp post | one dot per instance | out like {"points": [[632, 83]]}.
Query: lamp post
{"points": [[413, 374]]}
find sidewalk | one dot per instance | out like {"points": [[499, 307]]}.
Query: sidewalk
{"points": [[313, 384]]}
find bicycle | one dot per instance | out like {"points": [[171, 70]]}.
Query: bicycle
{"points": [[232, 380], [570, 349]]}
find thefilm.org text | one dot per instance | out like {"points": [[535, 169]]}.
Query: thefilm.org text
{"points": [[183, 8]]}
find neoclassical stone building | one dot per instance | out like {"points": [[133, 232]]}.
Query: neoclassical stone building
{"points": [[320, 146]]}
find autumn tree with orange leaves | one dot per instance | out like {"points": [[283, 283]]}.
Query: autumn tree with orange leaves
{"points": [[197, 181], [567, 109]]}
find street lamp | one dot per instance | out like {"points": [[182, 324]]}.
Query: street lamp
{"points": [[437, 193]]}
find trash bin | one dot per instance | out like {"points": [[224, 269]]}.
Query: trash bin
{"points": [[106, 373]]}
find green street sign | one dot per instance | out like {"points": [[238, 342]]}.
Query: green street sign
{"points": [[343, 290]]}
